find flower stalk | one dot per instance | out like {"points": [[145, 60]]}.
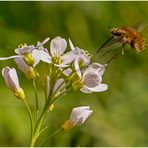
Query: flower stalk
{"points": [[53, 134], [36, 99], [30, 116], [38, 126]]}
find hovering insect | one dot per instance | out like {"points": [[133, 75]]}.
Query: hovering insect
{"points": [[125, 35]]}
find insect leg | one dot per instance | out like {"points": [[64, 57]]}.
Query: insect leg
{"points": [[123, 49], [104, 44], [115, 56]]}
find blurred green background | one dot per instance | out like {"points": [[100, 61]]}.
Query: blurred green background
{"points": [[120, 115]]}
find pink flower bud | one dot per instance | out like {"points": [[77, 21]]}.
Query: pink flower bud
{"points": [[78, 117], [12, 82]]}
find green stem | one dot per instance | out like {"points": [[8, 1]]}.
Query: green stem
{"points": [[38, 126], [43, 85], [30, 116], [43, 130], [53, 134], [36, 99]]}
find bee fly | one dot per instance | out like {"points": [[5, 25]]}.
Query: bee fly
{"points": [[125, 35]]}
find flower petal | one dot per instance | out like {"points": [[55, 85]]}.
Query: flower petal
{"points": [[85, 90], [21, 64], [83, 58], [91, 78], [60, 86], [77, 68], [5, 73], [40, 55], [14, 77], [68, 57], [67, 72], [61, 65], [58, 46], [98, 67], [11, 78], [24, 50], [99, 88], [39, 44], [79, 115], [71, 45]]}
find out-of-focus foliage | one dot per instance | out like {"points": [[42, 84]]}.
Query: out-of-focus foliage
{"points": [[120, 116]]}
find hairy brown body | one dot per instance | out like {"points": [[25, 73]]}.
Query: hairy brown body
{"points": [[129, 35]]}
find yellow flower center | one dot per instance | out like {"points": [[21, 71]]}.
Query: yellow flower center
{"points": [[28, 58], [76, 82], [56, 59]]}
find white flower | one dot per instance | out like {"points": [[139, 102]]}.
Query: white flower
{"points": [[81, 59], [57, 48], [12, 82], [29, 49], [78, 117], [31, 54], [92, 78], [36, 53], [11, 78], [24, 49]]}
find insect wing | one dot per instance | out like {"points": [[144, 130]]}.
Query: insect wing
{"points": [[110, 43]]}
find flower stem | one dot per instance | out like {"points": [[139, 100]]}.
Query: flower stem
{"points": [[53, 134], [36, 99], [38, 126], [43, 85], [30, 116]]}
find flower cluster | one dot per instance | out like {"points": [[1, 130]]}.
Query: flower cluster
{"points": [[67, 71]]}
